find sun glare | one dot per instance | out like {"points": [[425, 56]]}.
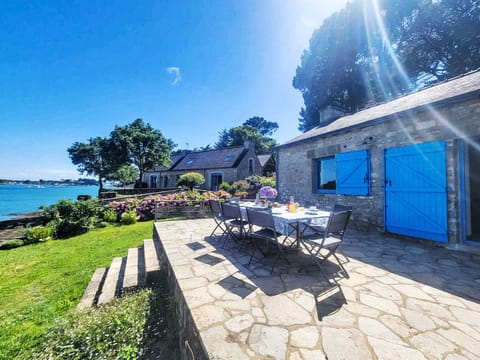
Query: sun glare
{"points": [[375, 26]]}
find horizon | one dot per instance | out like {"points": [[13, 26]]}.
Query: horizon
{"points": [[190, 69]]}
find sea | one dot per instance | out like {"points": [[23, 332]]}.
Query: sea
{"points": [[17, 199]]}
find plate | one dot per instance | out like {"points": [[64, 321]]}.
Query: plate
{"points": [[311, 212], [276, 211]]}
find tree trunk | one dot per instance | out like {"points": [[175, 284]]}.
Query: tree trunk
{"points": [[100, 185]]}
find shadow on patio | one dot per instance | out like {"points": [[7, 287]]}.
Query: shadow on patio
{"points": [[403, 298]]}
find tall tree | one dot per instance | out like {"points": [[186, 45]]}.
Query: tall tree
{"points": [[264, 127], [373, 51], [223, 139], [97, 157], [255, 130], [442, 40], [144, 146]]}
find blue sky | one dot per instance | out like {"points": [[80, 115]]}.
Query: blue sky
{"points": [[71, 70]]}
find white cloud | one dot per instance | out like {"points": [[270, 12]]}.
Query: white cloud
{"points": [[176, 76]]}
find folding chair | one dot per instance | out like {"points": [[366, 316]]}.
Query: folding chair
{"points": [[339, 207], [262, 226], [218, 217], [320, 227], [329, 240], [233, 220]]}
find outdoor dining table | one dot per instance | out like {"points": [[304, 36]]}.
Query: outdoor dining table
{"points": [[290, 223]]}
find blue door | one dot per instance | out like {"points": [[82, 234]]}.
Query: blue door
{"points": [[416, 191]]}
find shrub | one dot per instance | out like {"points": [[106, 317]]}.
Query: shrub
{"points": [[123, 206], [146, 208], [256, 182], [11, 244], [102, 224], [109, 215], [267, 181], [240, 186], [191, 180], [69, 218], [225, 186], [37, 234], [241, 194], [113, 331], [128, 218]]}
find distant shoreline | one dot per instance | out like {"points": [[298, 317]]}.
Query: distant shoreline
{"points": [[24, 215], [66, 182]]}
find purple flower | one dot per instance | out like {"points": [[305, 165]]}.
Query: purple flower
{"points": [[268, 192]]}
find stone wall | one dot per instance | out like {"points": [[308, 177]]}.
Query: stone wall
{"points": [[190, 343], [453, 122]]}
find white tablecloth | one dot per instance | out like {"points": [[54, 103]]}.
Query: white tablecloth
{"points": [[285, 221]]}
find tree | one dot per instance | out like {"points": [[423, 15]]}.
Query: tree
{"points": [[264, 127], [98, 157], [191, 180], [125, 175], [373, 51], [223, 139], [442, 40], [143, 146], [255, 130]]}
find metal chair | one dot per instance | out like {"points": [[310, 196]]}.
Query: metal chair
{"points": [[218, 217], [262, 226], [321, 227], [233, 220], [339, 207], [329, 240]]}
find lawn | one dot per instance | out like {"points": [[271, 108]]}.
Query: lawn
{"points": [[41, 282]]}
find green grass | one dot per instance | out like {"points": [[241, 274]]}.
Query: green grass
{"points": [[41, 282]]}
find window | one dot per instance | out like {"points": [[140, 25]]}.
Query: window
{"points": [[165, 181], [325, 175], [345, 173], [216, 180], [153, 181], [189, 161], [228, 158]]}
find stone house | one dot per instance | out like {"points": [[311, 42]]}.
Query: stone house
{"points": [[217, 166], [267, 162], [410, 166]]}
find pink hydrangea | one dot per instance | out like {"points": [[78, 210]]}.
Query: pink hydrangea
{"points": [[268, 192]]}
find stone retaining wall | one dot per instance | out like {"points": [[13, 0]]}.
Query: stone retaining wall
{"points": [[190, 344]]}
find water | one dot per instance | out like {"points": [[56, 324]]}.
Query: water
{"points": [[27, 198]]}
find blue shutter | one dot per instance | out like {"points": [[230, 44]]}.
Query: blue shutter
{"points": [[353, 172]]}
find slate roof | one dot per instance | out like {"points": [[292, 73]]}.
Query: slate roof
{"points": [[263, 159], [212, 159], [174, 159], [445, 92]]}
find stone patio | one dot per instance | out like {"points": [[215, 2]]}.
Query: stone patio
{"points": [[403, 300]]}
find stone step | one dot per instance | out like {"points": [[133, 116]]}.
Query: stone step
{"points": [[152, 263], [93, 289], [134, 270], [112, 285]]}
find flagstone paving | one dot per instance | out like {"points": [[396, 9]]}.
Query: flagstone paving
{"points": [[403, 299]]}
